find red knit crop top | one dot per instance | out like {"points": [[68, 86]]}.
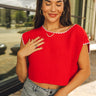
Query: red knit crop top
{"points": [[57, 62]]}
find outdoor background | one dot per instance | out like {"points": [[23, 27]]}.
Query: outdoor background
{"points": [[16, 17]]}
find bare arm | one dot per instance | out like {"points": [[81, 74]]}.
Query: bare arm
{"points": [[21, 67], [81, 76]]}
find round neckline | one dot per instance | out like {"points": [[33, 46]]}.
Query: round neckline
{"points": [[58, 32]]}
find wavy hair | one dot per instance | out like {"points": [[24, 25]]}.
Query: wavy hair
{"points": [[65, 19]]}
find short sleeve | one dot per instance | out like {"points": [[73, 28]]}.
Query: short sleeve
{"points": [[86, 40], [22, 39], [25, 37]]}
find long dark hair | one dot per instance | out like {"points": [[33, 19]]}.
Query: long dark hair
{"points": [[65, 19]]}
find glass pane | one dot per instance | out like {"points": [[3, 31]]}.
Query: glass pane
{"points": [[76, 11], [12, 24]]}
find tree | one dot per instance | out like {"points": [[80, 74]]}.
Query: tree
{"points": [[20, 16], [8, 18]]}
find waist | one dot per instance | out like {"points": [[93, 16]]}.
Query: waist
{"points": [[47, 86]]}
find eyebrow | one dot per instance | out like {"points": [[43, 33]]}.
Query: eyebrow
{"points": [[47, 0], [57, 1]]}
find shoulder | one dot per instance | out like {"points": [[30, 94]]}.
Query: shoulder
{"points": [[29, 34], [74, 27], [78, 30], [79, 34], [31, 31]]}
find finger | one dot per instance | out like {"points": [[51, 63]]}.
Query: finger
{"points": [[39, 41], [38, 49], [35, 39], [29, 40], [40, 44]]}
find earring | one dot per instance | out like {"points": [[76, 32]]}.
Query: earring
{"points": [[41, 12]]}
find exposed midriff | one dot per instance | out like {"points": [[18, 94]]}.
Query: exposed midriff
{"points": [[47, 86]]}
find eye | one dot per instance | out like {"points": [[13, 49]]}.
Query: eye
{"points": [[58, 5], [47, 4]]}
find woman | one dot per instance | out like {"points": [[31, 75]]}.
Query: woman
{"points": [[57, 52]]}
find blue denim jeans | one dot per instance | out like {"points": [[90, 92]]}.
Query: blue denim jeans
{"points": [[32, 89]]}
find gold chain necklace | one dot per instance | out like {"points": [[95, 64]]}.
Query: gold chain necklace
{"points": [[46, 32], [49, 35]]}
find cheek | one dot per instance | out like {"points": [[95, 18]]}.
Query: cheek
{"points": [[60, 11], [45, 8]]}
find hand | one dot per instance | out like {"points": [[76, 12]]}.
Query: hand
{"points": [[60, 93], [30, 47]]}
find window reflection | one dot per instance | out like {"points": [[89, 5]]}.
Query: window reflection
{"points": [[12, 24]]}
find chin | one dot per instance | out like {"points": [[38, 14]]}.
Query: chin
{"points": [[52, 20]]}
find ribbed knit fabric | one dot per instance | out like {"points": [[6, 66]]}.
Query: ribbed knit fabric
{"points": [[56, 63]]}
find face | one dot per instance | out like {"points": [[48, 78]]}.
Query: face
{"points": [[52, 9]]}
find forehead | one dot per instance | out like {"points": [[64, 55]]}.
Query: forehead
{"points": [[54, 0]]}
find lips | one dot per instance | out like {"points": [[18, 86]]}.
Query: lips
{"points": [[52, 15]]}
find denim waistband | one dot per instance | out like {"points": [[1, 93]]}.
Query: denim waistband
{"points": [[49, 91], [39, 86]]}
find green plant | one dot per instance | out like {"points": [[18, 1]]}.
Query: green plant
{"points": [[28, 24]]}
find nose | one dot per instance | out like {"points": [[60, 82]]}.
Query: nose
{"points": [[53, 7]]}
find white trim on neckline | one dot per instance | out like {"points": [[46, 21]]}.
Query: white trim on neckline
{"points": [[58, 32]]}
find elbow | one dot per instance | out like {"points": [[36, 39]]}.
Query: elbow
{"points": [[87, 72]]}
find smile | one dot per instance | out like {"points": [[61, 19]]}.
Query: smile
{"points": [[52, 15]]}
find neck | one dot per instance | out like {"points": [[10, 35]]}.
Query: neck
{"points": [[51, 26]]}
